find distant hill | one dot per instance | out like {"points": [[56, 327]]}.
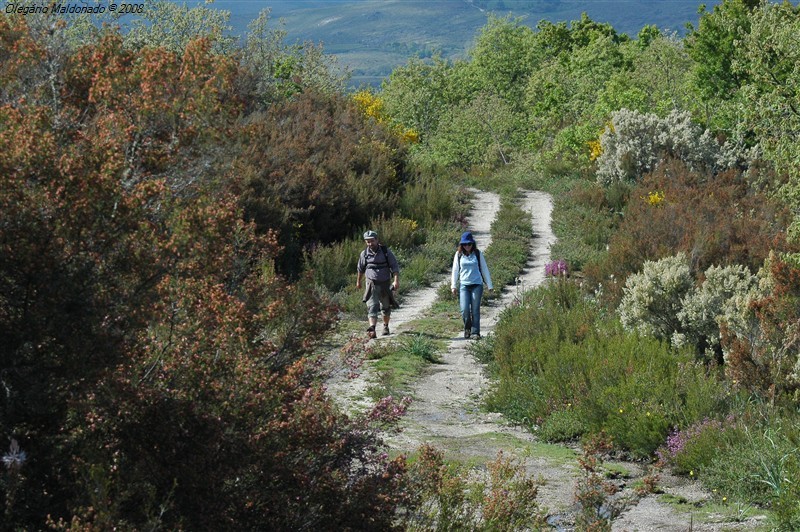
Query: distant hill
{"points": [[372, 37]]}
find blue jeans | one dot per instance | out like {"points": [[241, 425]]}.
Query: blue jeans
{"points": [[470, 300]]}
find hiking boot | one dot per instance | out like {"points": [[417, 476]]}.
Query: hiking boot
{"points": [[386, 330], [466, 333], [371, 331], [476, 336]]}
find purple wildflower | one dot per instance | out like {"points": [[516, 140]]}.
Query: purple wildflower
{"points": [[556, 268]]}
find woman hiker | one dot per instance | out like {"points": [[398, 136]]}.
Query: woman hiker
{"points": [[470, 271], [378, 264]]}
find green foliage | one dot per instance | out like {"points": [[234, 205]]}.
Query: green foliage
{"points": [[417, 93], [656, 82], [770, 107], [503, 57], [759, 465], [712, 46], [555, 353], [479, 132], [278, 69], [508, 252], [420, 346]]}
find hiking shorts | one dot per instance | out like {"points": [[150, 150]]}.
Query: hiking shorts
{"points": [[379, 300]]}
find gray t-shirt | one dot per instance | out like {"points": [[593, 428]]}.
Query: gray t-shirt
{"points": [[378, 266]]}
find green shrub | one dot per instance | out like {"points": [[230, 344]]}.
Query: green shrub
{"points": [[583, 220], [334, 266], [557, 350], [693, 448], [399, 233], [562, 426], [429, 200], [761, 465], [420, 346]]}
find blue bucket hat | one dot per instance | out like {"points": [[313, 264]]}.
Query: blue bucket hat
{"points": [[467, 238]]}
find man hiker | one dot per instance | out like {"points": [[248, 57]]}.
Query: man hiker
{"points": [[378, 264]]}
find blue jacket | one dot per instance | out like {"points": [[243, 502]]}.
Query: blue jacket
{"points": [[466, 272]]}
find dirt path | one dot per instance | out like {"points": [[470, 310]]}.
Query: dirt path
{"points": [[446, 400], [447, 411]]}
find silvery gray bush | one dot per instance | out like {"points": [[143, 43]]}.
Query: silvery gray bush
{"points": [[653, 297], [663, 301], [634, 143], [723, 291]]}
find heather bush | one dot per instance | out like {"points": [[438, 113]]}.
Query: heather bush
{"points": [[653, 297], [316, 169], [562, 426], [155, 365], [583, 221], [634, 143], [431, 199], [556, 354], [334, 266], [399, 233], [724, 220], [693, 448]]}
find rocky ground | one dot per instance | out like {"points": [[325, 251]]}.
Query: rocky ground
{"points": [[447, 409]]}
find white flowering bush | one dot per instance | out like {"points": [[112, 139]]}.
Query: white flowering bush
{"points": [[723, 293], [653, 297], [634, 143]]}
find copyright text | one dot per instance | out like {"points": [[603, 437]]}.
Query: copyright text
{"points": [[72, 8]]}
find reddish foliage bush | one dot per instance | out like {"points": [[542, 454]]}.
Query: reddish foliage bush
{"points": [[152, 362], [316, 169], [717, 220], [767, 359]]}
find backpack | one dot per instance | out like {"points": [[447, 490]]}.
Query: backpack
{"points": [[478, 256], [385, 251]]}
